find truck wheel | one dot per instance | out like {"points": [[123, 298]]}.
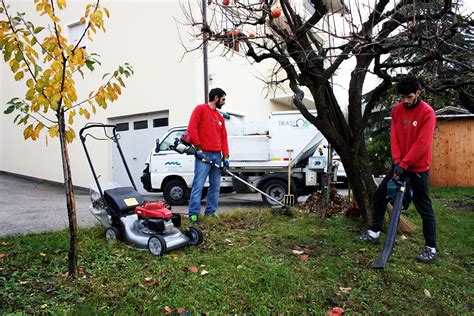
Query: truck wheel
{"points": [[276, 189], [176, 192]]}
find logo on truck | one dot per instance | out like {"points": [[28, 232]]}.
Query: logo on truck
{"points": [[173, 165], [295, 123]]}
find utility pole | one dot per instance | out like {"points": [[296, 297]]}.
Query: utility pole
{"points": [[205, 35]]}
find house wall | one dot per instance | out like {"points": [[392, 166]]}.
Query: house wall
{"points": [[143, 33], [453, 154]]}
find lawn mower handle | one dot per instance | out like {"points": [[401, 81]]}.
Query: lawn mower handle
{"points": [[115, 140], [92, 125]]}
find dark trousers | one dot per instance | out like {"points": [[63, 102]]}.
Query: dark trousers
{"points": [[421, 200]]}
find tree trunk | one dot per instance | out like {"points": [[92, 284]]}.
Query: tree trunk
{"points": [[71, 206], [362, 183]]}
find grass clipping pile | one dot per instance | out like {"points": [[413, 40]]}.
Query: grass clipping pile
{"points": [[338, 204]]}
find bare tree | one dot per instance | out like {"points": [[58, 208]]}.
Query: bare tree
{"points": [[309, 40]]}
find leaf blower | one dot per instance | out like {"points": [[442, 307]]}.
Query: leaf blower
{"points": [[396, 189]]}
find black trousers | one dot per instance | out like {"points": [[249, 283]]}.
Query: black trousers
{"points": [[421, 199]]}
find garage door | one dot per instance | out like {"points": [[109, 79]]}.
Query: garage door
{"points": [[138, 135]]}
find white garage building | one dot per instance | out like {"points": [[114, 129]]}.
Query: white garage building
{"points": [[161, 94]]}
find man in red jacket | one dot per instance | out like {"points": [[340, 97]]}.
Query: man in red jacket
{"points": [[208, 134], [413, 125]]}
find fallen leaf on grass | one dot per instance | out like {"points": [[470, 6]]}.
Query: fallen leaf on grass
{"points": [[44, 306], [403, 237], [373, 277], [156, 297], [3, 255], [4, 243], [345, 289], [335, 311], [304, 257], [193, 270], [203, 265], [150, 282], [298, 252], [23, 282], [42, 254], [204, 272], [427, 293]]}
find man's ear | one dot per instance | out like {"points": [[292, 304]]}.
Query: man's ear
{"points": [[418, 93]]}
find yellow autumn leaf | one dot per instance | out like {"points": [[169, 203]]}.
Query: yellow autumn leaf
{"points": [[35, 107], [19, 75], [117, 88], [28, 131], [30, 94], [70, 120], [38, 128], [61, 4], [30, 83], [53, 131], [39, 6], [14, 65], [47, 8], [70, 135]]}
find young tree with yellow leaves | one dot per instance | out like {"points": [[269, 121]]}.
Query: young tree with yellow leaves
{"points": [[49, 64]]}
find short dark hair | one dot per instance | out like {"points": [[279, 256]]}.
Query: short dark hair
{"points": [[216, 92], [408, 84]]}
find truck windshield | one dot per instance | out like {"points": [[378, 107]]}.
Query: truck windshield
{"points": [[168, 142]]}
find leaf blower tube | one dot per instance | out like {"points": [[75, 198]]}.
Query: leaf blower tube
{"points": [[395, 192], [182, 146]]}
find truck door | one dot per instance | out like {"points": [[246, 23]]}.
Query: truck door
{"points": [[167, 162]]}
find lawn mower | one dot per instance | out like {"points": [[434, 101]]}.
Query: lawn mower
{"points": [[183, 146], [126, 215], [396, 189]]}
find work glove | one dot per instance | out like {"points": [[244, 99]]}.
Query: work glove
{"points": [[398, 172], [225, 166], [200, 155]]}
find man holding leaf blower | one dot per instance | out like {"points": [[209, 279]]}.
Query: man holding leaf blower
{"points": [[412, 129], [208, 134]]}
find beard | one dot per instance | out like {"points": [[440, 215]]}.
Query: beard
{"points": [[219, 105], [412, 104]]}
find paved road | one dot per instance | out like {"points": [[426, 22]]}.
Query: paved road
{"points": [[31, 206]]}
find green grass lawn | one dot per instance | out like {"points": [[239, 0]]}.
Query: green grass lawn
{"points": [[252, 268]]}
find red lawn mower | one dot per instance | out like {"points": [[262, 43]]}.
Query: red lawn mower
{"points": [[125, 213]]}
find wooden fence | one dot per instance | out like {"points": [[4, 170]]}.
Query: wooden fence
{"points": [[453, 153]]}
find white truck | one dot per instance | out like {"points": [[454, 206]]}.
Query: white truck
{"points": [[258, 154]]}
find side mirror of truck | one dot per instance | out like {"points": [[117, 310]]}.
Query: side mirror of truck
{"points": [[157, 147]]}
